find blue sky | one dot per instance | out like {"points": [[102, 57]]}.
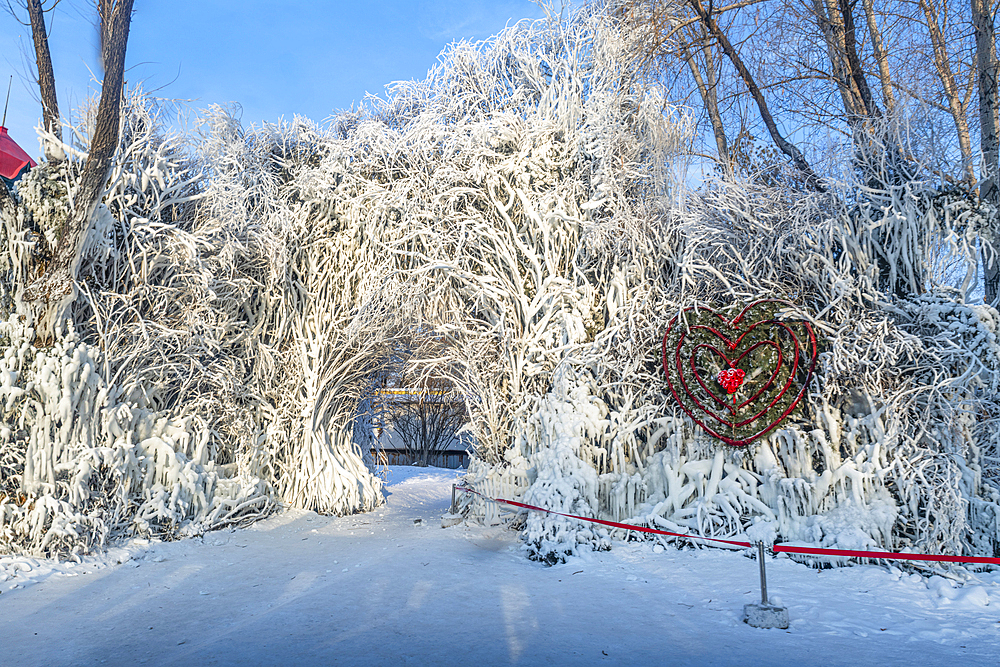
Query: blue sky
{"points": [[276, 58]]}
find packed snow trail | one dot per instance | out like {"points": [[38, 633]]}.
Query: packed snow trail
{"points": [[377, 588]]}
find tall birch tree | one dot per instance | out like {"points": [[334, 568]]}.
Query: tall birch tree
{"points": [[52, 294]]}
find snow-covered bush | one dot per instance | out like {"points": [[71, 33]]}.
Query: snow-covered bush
{"points": [[213, 328], [562, 431], [80, 464]]}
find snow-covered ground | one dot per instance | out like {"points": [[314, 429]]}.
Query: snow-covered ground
{"points": [[380, 588]]}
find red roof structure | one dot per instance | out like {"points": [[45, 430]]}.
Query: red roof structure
{"points": [[13, 160]]}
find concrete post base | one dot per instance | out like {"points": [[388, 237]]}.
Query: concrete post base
{"points": [[765, 616]]}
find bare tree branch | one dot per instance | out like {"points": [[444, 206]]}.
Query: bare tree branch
{"points": [[789, 149]]}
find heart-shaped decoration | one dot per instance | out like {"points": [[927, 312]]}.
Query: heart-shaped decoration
{"points": [[762, 364]]}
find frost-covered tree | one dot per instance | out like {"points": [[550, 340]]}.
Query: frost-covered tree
{"points": [[53, 292], [243, 291], [225, 372]]}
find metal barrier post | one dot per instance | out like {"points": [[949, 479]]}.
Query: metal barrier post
{"points": [[452, 518], [763, 575], [764, 615]]}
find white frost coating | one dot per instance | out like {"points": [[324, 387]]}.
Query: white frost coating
{"points": [[896, 445], [229, 369], [85, 477], [557, 428], [516, 211]]}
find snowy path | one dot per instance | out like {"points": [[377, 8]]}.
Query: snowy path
{"points": [[302, 589]]}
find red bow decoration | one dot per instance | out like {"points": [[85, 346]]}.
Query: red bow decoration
{"points": [[763, 362], [731, 379]]}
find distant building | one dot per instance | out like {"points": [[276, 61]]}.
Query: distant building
{"points": [[442, 458], [388, 444]]}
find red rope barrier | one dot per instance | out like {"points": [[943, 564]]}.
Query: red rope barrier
{"points": [[613, 524], [777, 548], [887, 555]]}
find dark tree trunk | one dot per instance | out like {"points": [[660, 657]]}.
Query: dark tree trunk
{"points": [[853, 61], [46, 77], [707, 88], [986, 66], [54, 292]]}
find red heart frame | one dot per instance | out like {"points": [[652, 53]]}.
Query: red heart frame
{"points": [[705, 417]]}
